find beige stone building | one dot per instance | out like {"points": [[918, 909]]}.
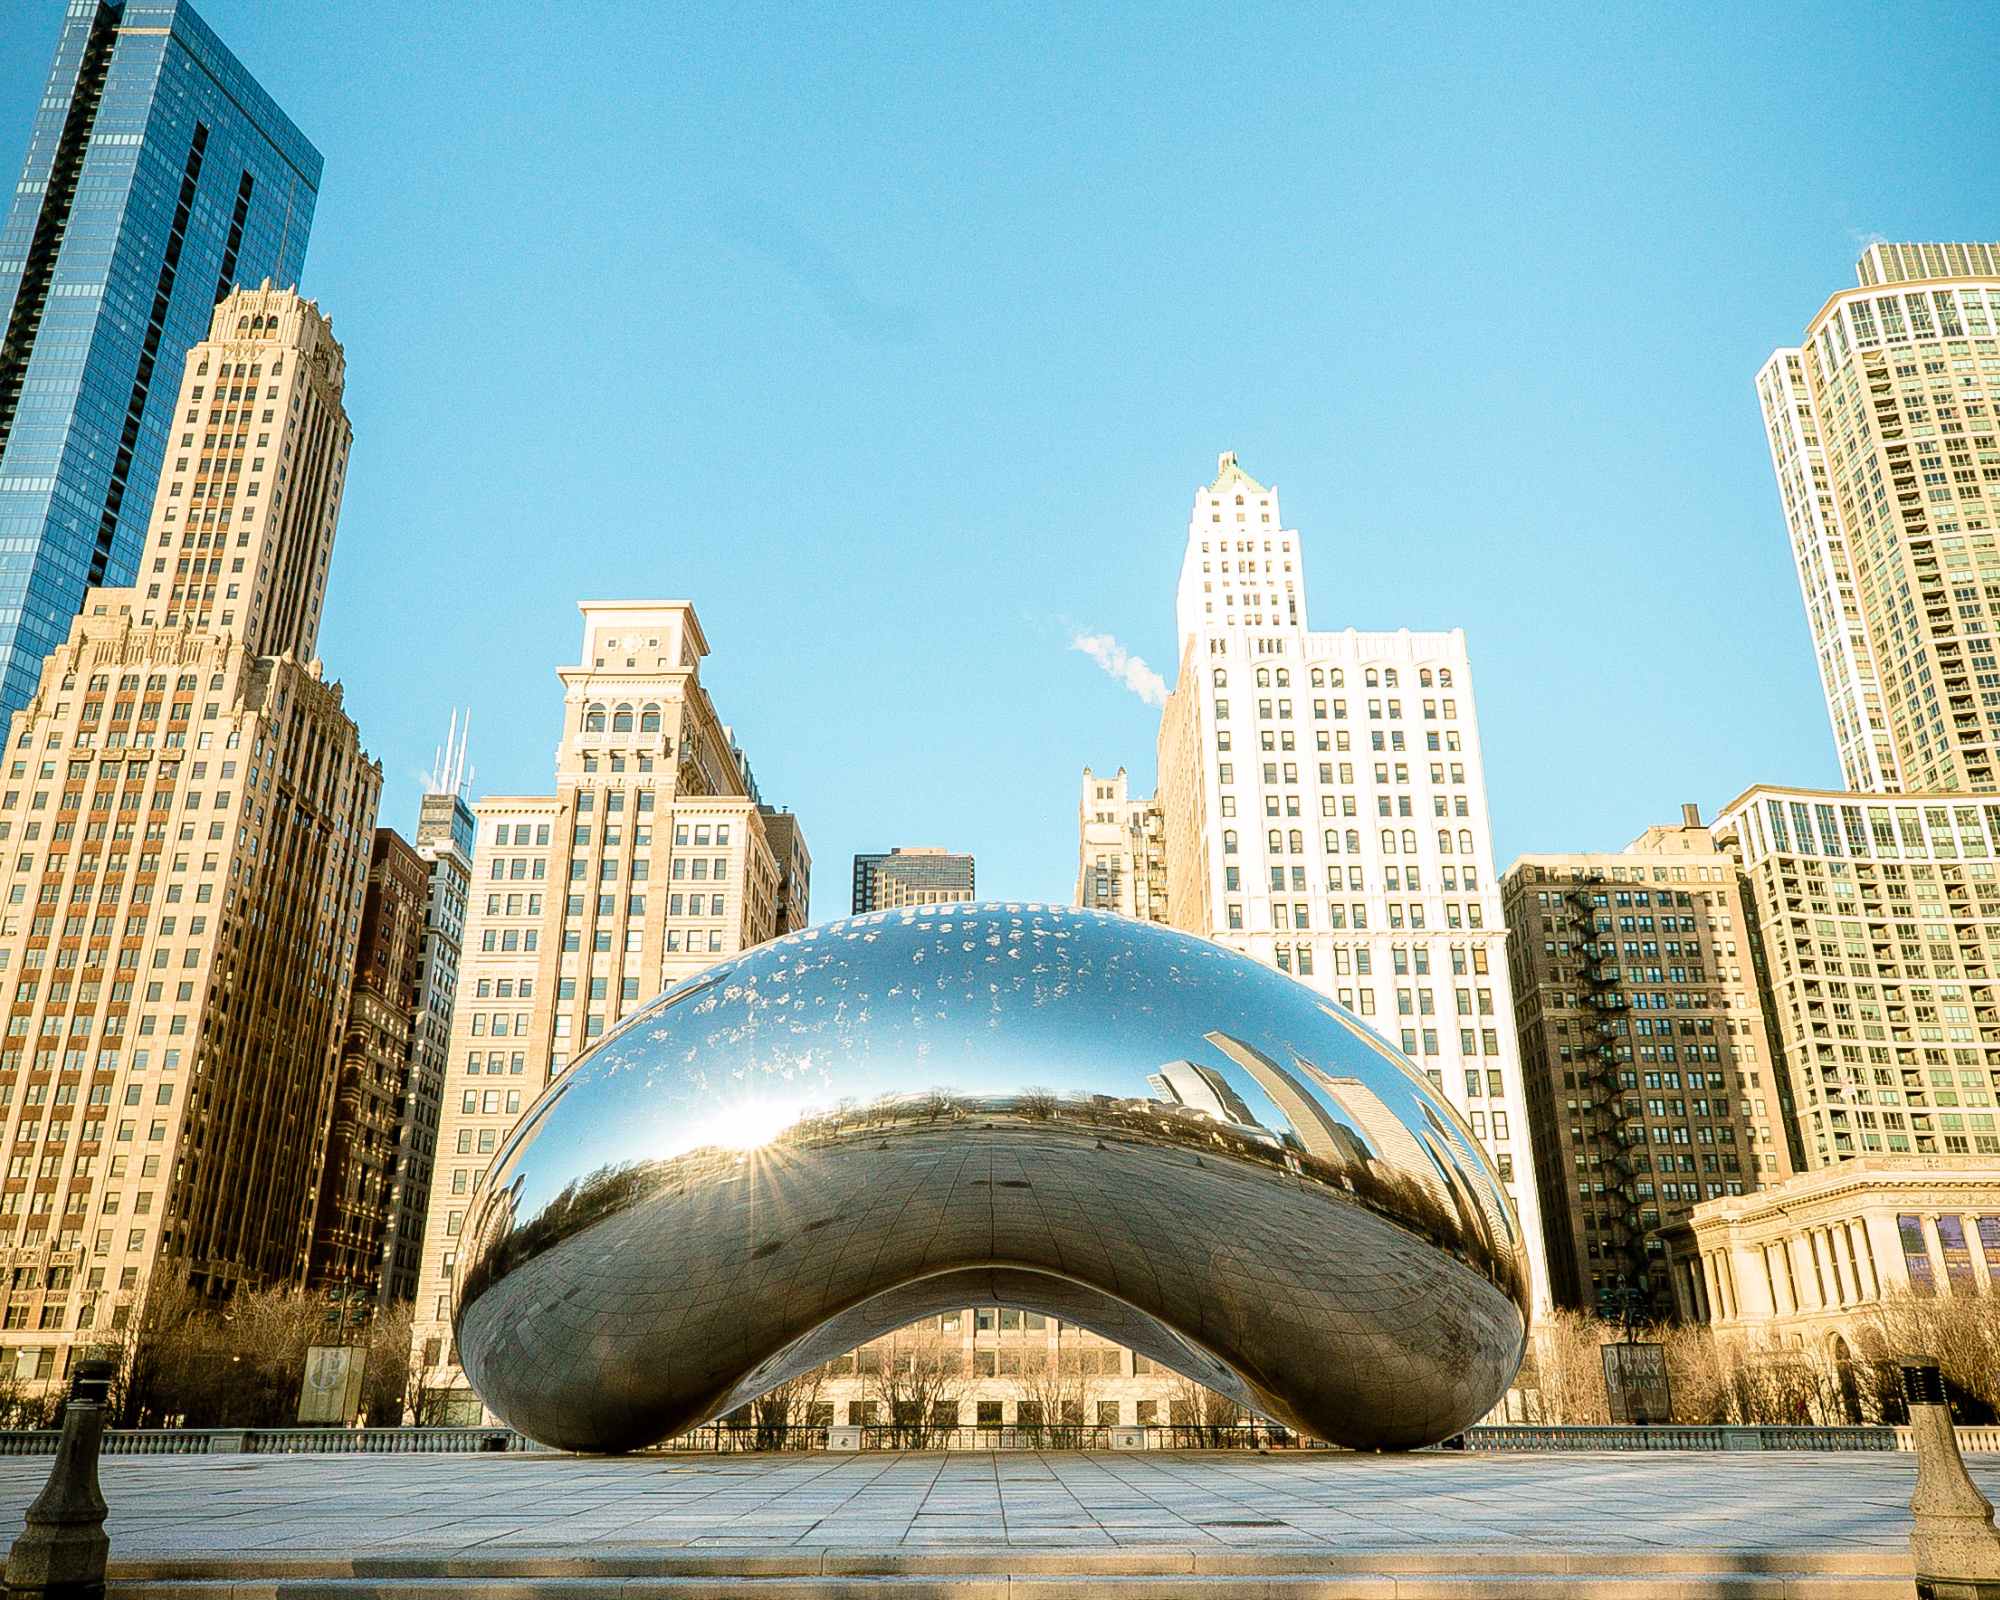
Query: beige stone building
{"points": [[1121, 860], [1016, 1369], [650, 861], [1812, 1269], [187, 815], [1884, 427], [1652, 1084]]}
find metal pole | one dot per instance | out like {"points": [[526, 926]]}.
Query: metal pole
{"points": [[61, 1552]]}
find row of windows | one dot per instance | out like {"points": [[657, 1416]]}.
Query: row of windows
{"points": [[1336, 678]]}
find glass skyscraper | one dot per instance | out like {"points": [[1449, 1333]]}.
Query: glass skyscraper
{"points": [[158, 174]]}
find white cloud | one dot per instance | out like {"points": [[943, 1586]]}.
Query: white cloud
{"points": [[1121, 664]]}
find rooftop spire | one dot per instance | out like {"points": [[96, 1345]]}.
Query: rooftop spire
{"points": [[1227, 472]]}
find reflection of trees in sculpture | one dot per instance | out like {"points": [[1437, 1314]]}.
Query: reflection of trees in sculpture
{"points": [[916, 1382]]}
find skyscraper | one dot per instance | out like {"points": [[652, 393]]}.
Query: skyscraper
{"points": [[1121, 849], [1325, 811], [1886, 443], [911, 875], [158, 174], [650, 861], [351, 1247], [1652, 1082], [444, 843], [188, 815]]}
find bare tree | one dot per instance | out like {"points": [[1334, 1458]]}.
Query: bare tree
{"points": [[783, 1416], [917, 1381], [1959, 1333], [1055, 1389], [1569, 1370], [1201, 1416]]}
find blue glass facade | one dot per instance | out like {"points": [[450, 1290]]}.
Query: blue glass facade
{"points": [[158, 174]]}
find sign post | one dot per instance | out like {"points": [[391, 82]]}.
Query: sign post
{"points": [[331, 1389]]}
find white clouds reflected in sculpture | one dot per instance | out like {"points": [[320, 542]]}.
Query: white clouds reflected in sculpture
{"points": [[1135, 1130]]}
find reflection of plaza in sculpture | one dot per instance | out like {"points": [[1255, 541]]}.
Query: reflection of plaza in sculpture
{"points": [[895, 1116]]}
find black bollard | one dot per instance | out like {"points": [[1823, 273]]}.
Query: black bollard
{"points": [[1953, 1544], [61, 1552]]}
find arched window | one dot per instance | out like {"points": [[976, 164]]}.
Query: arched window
{"points": [[1274, 841], [1444, 841], [1388, 841], [1409, 841], [1374, 679], [1354, 841], [1319, 677], [1424, 677], [1465, 841], [621, 720], [1229, 841], [1298, 842], [1263, 677], [593, 720], [1284, 679], [1389, 678], [1221, 678], [649, 720], [1444, 677], [1337, 679], [1333, 841]]}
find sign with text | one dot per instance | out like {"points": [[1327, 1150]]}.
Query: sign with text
{"points": [[1635, 1383]]}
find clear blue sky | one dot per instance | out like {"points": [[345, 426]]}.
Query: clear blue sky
{"points": [[898, 339]]}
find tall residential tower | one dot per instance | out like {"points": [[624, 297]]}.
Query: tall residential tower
{"points": [[1884, 436], [158, 175]]}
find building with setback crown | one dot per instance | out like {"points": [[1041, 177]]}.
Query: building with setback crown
{"points": [[650, 860], [1325, 812], [187, 815], [1121, 859], [1884, 428], [1652, 1081], [158, 175]]}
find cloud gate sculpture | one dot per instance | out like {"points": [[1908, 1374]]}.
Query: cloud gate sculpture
{"points": [[1134, 1130]]}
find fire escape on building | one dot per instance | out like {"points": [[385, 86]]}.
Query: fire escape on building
{"points": [[1612, 1121]]}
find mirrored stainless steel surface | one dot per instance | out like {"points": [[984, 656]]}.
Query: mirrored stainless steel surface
{"points": [[1129, 1128]]}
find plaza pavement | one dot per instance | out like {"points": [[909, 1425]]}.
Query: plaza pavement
{"points": [[1009, 1524]]}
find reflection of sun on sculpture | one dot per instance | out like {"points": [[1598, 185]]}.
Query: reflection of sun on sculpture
{"points": [[1141, 1133]]}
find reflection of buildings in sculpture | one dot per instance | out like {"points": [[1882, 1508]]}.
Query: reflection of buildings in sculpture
{"points": [[1121, 862], [1202, 1089], [1318, 1134], [1394, 1145]]}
